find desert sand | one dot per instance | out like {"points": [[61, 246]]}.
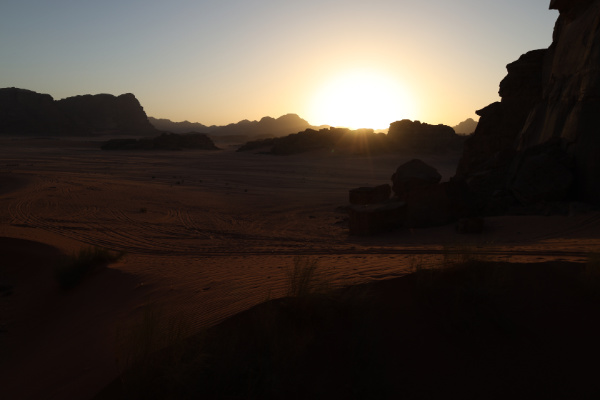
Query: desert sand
{"points": [[207, 234]]}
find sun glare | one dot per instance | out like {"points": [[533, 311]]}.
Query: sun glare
{"points": [[361, 99]]}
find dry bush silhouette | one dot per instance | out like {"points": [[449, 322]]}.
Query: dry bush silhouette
{"points": [[72, 269]]}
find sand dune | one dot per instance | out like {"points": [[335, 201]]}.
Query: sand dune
{"points": [[207, 234]]}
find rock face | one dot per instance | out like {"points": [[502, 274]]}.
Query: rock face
{"points": [[490, 150], [106, 113], [376, 218], [541, 142], [422, 137], [24, 111], [370, 195], [412, 175]]}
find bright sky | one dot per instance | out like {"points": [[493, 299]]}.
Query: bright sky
{"points": [[336, 62]]}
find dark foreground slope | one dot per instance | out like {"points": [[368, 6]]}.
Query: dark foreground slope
{"points": [[473, 330]]}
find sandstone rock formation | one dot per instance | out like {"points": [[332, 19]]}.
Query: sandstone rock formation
{"points": [[105, 113], [548, 120], [27, 112], [411, 175], [370, 195], [417, 136], [360, 141], [166, 141], [376, 218]]}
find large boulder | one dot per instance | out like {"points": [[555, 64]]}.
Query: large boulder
{"points": [[438, 204], [413, 174], [376, 218], [370, 195]]}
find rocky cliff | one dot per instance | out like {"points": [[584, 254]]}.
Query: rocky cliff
{"points": [[27, 112], [547, 125], [418, 136]]}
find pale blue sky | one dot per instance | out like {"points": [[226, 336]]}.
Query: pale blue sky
{"points": [[217, 62]]}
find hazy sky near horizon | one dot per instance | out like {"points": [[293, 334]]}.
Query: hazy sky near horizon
{"points": [[222, 61]]}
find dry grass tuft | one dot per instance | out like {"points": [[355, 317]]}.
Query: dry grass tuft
{"points": [[72, 269]]}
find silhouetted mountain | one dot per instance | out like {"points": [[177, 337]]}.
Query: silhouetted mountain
{"points": [[267, 126], [538, 147], [167, 125], [403, 136], [27, 112], [414, 135], [466, 127]]}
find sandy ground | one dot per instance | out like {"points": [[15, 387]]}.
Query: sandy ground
{"points": [[207, 234]]}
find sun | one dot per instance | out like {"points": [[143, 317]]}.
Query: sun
{"points": [[361, 99]]}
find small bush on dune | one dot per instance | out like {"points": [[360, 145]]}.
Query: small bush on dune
{"points": [[71, 269], [305, 278]]}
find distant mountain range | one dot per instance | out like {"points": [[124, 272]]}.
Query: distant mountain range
{"points": [[466, 127], [266, 127]]}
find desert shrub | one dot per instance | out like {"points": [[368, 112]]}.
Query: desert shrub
{"points": [[305, 277], [71, 269]]}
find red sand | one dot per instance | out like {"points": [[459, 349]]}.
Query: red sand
{"points": [[207, 234]]}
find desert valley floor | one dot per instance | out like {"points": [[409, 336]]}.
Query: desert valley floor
{"points": [[206, 234]]}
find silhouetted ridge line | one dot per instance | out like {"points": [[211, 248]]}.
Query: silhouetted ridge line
{"points": [[266, 127], [27, 112], [403, 135]]}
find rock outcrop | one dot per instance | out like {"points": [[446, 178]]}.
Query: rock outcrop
{"points": [[105, 113], [166, 141], [411, 175], [541, 142], [27, 112], [417, 136], [369, 195]]}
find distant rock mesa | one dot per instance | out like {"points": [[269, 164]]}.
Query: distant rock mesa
{"points": [[266, 127], [27, 112]]}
